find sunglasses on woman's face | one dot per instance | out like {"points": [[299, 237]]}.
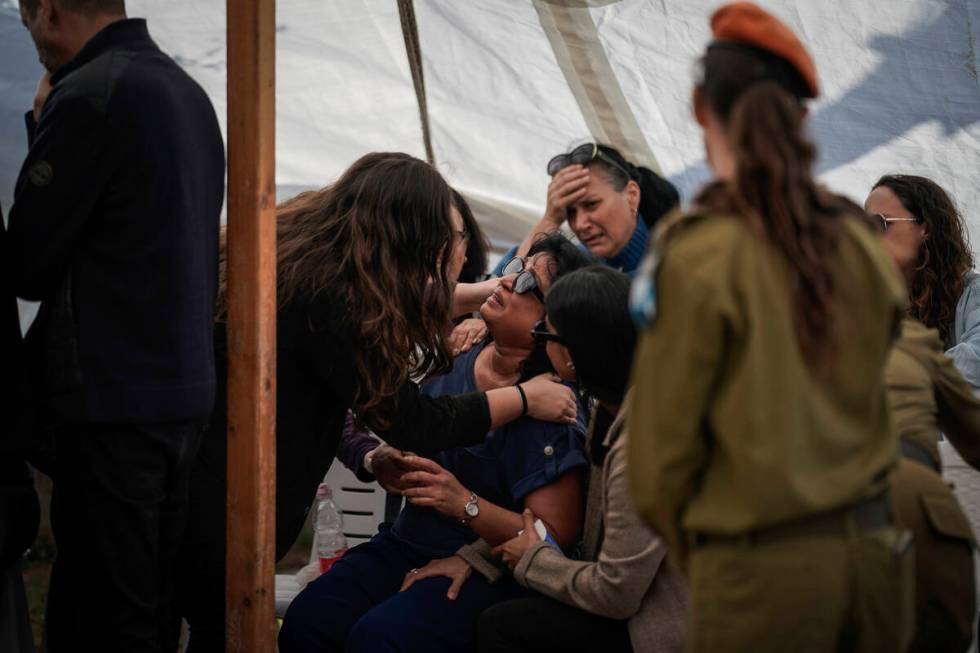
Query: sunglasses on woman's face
{"points": [[541, 334], [526, 280], [885, 221], [582, 155]]}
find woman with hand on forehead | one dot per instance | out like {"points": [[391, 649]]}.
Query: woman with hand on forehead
{"points": [[609, 204]]}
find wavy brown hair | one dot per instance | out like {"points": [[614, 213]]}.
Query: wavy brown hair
{"points": [[945, 257], [757, 98], [379, 242]]}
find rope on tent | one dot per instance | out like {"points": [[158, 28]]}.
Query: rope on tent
{"points": [[410, 31]]}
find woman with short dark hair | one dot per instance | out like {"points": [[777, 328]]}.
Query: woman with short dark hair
{"points": [[622, 593]]}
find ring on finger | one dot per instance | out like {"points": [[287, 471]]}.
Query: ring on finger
{"points": [[413, 571]]}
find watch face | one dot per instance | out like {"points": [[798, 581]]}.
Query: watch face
{"points": [[472, 509]]}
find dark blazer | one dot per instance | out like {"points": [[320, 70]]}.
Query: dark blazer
{"points": [[315, 386], [12, 386], [115, 228], [19, 508]]}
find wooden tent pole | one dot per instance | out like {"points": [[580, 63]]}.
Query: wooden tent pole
{"points": [[250, 585]]}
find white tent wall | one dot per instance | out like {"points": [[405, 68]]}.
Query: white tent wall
{"points": [[899, 81]]}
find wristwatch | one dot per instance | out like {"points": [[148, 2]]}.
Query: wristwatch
{"points": [[471, 510]]}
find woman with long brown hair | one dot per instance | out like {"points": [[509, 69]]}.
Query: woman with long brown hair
{"points": [[926, 235], [366, 272], [761, 442]]}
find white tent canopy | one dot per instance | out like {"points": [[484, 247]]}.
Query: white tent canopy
{"points": [[510, 83]]}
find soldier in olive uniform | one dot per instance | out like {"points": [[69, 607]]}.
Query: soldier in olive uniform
{"points": [[926, 394], [761, 441]]}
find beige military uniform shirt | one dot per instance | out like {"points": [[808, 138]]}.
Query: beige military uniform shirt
{"points": [[926, 391], [731, 432]]}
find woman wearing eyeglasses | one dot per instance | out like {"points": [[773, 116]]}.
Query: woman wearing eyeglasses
{"points": [[459, 495], [366, 283], [609, 204], [926, 237], [925, 233], [760, 439]]}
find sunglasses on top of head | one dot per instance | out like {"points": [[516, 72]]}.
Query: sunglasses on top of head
{"points": [[884, 221], [526, 280], [583, 155], [541, 334]]}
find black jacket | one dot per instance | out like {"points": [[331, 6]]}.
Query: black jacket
{"points": [[315, 385], [12, 371], [19, 508], [115, 228]]}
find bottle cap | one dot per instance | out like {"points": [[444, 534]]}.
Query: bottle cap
{"points": [[324, 492]]}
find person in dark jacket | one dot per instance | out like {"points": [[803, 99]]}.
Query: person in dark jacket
{"points": [[365, 290], [20, 511], [114, 228]]}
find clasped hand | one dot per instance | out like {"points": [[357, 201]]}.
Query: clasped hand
{"points": [[514, 549], [431, 485]]}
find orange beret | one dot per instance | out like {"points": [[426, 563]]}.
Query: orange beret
{"points": [[746, 22]]}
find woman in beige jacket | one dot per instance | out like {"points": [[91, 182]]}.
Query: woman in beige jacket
{"points": [[622, 593]]}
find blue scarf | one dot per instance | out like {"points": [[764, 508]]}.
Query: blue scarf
{"points": [[630, 257]]}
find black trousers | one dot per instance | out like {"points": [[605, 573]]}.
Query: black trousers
{"points": [[200, 576], [117, 513], [540, 623]]}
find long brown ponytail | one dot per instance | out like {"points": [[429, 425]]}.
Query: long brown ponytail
{"points": [[753, 95]]}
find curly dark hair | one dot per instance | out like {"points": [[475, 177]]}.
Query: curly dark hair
{"points": [[379, 240], [945, 257]]}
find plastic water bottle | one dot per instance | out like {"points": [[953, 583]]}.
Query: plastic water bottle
{"points": [[331, 544]]}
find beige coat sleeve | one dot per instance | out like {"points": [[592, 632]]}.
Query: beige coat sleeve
{"points": [[478, 556], [630, 555]]}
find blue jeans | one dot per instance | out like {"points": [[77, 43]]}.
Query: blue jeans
{"points": [[356, 606]]}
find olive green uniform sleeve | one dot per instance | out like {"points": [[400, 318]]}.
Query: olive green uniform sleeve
{"points": [[675, 367], [957, 409]]}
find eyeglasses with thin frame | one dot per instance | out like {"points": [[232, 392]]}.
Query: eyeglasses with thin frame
{"points": [[886, 221], [526, 280], [582, 155], [541, 334]]}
